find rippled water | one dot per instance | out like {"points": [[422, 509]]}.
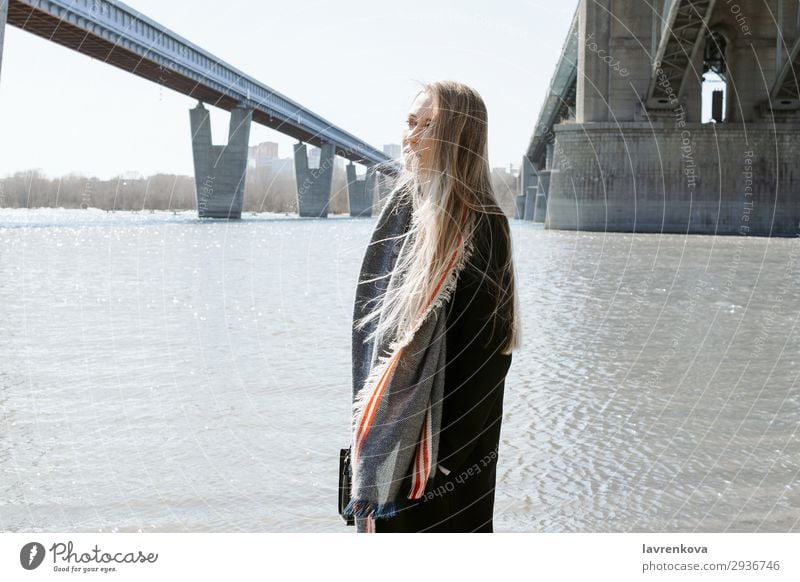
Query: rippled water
{"points": [[159, 373]]}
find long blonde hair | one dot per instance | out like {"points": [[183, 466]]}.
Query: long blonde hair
{"points": [[457, 185]]}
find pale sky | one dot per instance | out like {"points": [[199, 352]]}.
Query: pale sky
{"points": [[354, 62]]}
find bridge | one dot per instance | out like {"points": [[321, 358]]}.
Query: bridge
{"points": [[117, 34], [621, 142]]}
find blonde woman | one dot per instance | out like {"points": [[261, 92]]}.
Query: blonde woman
{"points": [[435, 322]]}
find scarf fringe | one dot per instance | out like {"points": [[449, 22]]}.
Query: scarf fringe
{"points": [[365, 508]]}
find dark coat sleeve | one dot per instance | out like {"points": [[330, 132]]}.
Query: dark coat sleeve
{"points": [[474, 374]]}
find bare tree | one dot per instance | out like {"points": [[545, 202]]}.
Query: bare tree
{"points": [[267, 189]]}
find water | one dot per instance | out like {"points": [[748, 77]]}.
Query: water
{"points": [[158, 373]]}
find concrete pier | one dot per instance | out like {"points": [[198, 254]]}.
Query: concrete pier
{"points": [[540, 204], [629, 181], [594, 25], [220, 171], [313, 184], [636, 154], [360, 192], [519, 209], [543, 186], [528, 185]]}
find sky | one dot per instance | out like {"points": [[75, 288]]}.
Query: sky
{"points": [[356, 63]]}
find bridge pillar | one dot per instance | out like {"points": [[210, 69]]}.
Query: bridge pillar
{"points": [[530, 202], [360, 192], [313, 185], [527, 197], [592, 90], [519, 210], [638, 157], [219, 171], [3, 18], [540, 206], [543, 187]]}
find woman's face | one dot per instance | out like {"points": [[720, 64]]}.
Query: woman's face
{"points": [[416, 136]]}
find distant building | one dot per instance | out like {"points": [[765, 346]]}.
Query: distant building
{"points": [[505, 170], [393, 150], [262, 154], [279, 166]]}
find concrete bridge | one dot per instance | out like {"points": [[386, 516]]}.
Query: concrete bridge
{"points": [[121, 36], [621, 143]]}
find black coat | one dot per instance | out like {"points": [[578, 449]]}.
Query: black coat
{"points": [[463, 501]]}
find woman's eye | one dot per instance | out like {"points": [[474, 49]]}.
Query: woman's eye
{"points": [[413, 124]]}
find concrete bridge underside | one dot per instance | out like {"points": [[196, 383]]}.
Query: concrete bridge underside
{"points": [[621, 145]]}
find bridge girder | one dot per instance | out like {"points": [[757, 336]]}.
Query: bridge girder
{"points": [[785, 92], [682, 35]]}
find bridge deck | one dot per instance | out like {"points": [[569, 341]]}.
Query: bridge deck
{"points": [[119, 35]]}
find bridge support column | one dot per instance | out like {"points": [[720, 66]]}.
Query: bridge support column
{"points": [[3, 18], [540, 206], [360, 192], [528, 185], [674, 184], [519, 210], [313, 185], [543, 186], [530, 203], [593, 73], [219, 171]]}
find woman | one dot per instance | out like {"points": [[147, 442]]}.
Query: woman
{"points": [[435, 322]]}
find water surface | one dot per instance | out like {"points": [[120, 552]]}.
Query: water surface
{"points": [[162, 373]]}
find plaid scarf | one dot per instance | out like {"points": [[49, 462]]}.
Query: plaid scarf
{"points": [[397, 387]]}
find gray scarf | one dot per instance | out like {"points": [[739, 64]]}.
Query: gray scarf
{"points": [[397, 388]]}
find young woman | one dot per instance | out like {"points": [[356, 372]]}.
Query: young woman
{"points": [[435, 322]]}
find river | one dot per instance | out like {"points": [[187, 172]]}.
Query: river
{"points": [[159, 373]]}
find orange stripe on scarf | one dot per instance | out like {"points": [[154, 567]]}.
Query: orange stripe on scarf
{"points": [[372, 405]]}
